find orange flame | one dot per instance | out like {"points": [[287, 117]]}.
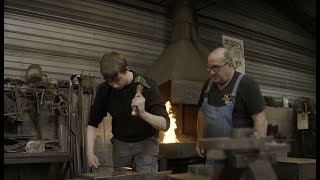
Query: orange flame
{"points": [[170, 135]]}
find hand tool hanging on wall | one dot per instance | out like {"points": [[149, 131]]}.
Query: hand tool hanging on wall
{"points": [[34, 115], [7, 104], [75, 131], [71, 130], [94, 93], [60, 107], [16, 100], [83, 135], [40, 92], [60, 103]]}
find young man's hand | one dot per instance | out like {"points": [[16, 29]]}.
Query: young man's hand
{"points": [[200, 151], [93, 160], [139, 102]]}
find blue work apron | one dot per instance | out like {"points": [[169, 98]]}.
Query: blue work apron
{"points": [[218, 120]]}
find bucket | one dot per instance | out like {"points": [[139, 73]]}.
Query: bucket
{"points": [[34, 73]]}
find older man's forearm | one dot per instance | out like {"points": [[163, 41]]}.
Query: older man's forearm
{"points": [[260, 123]]}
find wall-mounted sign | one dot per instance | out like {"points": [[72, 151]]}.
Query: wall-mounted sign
{"points": [[235, 46]]}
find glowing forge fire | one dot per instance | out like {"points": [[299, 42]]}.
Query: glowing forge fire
{"points": [[170, 135]]}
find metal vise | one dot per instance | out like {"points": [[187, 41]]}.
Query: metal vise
{"points": [[141, 83], [241, 151]]}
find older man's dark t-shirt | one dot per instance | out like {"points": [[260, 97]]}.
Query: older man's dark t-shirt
{"points": [[248, 101]]}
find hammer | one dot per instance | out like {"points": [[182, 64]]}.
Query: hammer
{"points": [[141, 83]]}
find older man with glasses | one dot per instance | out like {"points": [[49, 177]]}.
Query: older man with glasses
{"points": [[229, 100]]}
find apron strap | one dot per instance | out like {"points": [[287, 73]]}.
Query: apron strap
{"points": [[208, 88], [236, 85]]}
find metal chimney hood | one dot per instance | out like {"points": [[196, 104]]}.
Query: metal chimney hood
{"points": [[184, 61]]}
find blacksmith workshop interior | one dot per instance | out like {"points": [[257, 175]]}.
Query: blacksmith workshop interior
{"points": [[52, 75]]}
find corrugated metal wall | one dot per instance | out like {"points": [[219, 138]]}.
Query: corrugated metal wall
{"points": [[69, 36], [279, 54]]}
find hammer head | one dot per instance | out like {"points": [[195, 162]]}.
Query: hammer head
{"points": [[142, 81]]}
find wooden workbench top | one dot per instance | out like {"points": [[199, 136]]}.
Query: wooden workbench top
{"points": [[295, 160]]}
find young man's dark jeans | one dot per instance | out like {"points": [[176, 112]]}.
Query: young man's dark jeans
{"points": [[142, 156]]}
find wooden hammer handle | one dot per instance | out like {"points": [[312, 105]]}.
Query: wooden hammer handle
{"points": [[134, 111]]}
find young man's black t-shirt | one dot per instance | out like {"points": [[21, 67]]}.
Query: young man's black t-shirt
{"points": [[248, 101], [118, 103]]}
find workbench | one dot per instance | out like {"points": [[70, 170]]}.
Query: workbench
{"points": [[124, 175], [36, 166], [288, 168]]}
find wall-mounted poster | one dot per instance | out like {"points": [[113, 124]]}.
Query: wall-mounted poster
{"points": [[235, 46]]}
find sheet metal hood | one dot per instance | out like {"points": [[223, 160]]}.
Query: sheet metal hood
{"points": [[184, 61]]}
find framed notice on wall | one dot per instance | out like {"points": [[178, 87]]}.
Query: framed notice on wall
{"points": [[235, 46]]}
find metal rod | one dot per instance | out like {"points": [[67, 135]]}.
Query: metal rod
{"points": [[70, 111], [11, 114]]}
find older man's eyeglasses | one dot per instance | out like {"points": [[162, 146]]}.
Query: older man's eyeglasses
{"points": [[216, 68]]}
